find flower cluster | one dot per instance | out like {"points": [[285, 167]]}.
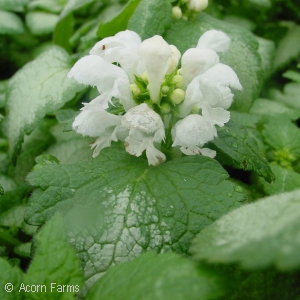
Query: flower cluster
{"points": [[183, 9], [150, 103]]}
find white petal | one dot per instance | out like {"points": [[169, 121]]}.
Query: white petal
{"points": [[135, 146], [214, 40], [121, 48], [193, 95], [138, 141], [173, 61], [208, 152], [196, 61], [154, 156], [193, 131], [190, 150], [197, 151], [221, 74], [110, 80], [93, 123], [104, 140], [216, 96], [99, 103], [155, 53], [216, 116], [143, 118]]}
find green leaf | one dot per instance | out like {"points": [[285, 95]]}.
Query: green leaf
{"points": [[63, 32], [261, 3], [40, 23], [55, 264], [54, 6], [234, 141], [290, 95], [70, 147], [3, 86], [10, 23], [73, 5], [13, 217], [33, 145], [293, 75], [244, 119], [151, 17], [10, 274], [260, 284], [7, 183], [272, 109], [288, 48], [242, 55], [119, 22], [66, 117], [117, 207], [12, 198], [38, 88], [160, 277], [267, 52], [13, 5], [257, 235], [285, 180], [281, 134]]}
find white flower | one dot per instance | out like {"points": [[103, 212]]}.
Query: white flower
{"points": [[191, 133], [207, 80], [145, 128], [143, 77]]}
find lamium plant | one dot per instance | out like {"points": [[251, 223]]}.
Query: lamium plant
{"points": [[149, 149]]}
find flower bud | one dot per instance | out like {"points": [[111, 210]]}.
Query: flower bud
{"points": [[195, 109], [165, 108], [135, 90], [176, 12], [177, 96], [177, 80], [165, 90], [197, 5], [144, 76]]}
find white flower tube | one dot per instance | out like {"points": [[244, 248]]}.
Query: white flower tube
{"points": [[145, 128], [155, 54]]}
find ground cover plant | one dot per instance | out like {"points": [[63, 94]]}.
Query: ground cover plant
{"points": [[150, 149]]}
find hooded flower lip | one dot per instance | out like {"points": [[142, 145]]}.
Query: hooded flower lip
{"points": [[110, 80], [145, 128], [191, 133]]}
